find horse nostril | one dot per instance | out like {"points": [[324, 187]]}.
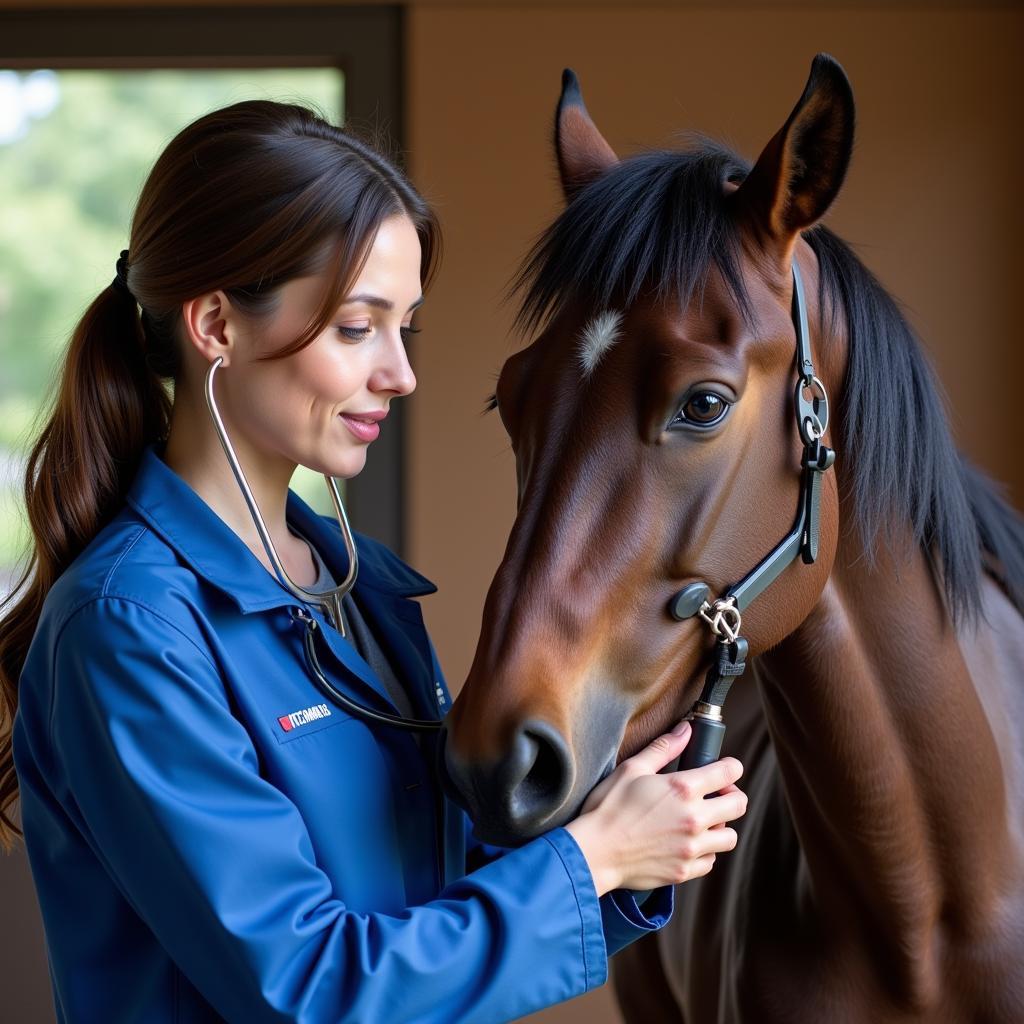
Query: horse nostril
{"points": [[513, 798], [538, 775]]}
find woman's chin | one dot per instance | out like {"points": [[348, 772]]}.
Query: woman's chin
{"points": [[347, 466], [341, 465]]}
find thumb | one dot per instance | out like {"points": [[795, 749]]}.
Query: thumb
{"points": [[662, 749]]}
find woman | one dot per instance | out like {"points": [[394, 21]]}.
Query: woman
{"points": [[210, 836]]}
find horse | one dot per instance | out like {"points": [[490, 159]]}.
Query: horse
{"points": [[879, 874]]}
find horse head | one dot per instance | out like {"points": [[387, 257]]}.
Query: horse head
{"points": [[652, 422]]}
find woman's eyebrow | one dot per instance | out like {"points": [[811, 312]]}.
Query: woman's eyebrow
{"points": [[380, 303]]}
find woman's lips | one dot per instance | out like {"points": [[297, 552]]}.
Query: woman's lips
{"points": [[364, 430]]}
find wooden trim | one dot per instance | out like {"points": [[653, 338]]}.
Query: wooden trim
{"points": [[526, 7]]}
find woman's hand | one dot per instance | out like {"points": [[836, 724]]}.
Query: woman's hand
{"points": [[639, 829]]}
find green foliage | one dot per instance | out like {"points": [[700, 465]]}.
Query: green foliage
{"points": [[70, 174]]}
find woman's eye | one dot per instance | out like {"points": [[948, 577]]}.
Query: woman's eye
{"points": [[355, 333], [704, 409], [358, 333]]}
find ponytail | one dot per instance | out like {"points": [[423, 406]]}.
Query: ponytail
{"points": [[110, 404]]}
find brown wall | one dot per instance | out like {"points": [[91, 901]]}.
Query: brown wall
{"points": [[930, 201]]}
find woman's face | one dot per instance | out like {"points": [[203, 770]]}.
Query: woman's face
{"points": [[323, 406]]}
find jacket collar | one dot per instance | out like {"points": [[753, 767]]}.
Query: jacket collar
{"points": [[214, 551]]}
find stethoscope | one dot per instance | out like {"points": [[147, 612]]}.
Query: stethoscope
{"points": [[330, 600]]}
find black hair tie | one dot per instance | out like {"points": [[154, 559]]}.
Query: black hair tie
{"points": [[121, 280]]}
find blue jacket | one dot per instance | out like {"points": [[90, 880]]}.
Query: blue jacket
{"points": [[211, 838]]}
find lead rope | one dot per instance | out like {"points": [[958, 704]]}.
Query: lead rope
{"points": [[730, 661]]}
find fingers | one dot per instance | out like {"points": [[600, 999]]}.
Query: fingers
{"points": [[713, 841], [660, 751], [694, 783], [719, 840], [719, 809], [705, 815], [701, 866]]}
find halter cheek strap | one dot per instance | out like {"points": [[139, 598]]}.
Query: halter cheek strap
{"points": [[723, 615]]}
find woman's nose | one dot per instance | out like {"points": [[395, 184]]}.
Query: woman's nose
{"points": [[395, 372]]}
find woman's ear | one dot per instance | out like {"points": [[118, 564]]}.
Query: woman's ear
{"points": [[582, 152], [208, 323], [801, 170]]}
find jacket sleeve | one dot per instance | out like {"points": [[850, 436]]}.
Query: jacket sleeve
{"points": [[164, 783], [626, 914]]}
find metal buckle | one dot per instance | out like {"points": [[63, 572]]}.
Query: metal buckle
{"points": [[813, 411], [723, 617]]}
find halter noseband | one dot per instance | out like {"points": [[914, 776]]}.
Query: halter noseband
{"points": [[723, 615]]}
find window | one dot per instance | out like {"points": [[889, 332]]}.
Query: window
{"points": [[80, 129]]}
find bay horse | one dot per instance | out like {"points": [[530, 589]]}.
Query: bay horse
{"points": [[879, 875]]}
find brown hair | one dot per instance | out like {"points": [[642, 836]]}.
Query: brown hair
{"points": [[243, 199]]}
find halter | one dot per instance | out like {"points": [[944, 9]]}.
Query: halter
{"points": [[723, 614]]}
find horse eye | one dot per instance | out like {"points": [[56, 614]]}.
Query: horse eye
{"points": [[704, 409]]}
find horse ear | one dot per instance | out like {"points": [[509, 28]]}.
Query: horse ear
{"points": [[582, 151], [801, 170]]}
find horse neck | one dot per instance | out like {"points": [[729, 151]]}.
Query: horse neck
{"points": [[889, 763]]}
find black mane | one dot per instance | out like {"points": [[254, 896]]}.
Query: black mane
{"points": [[657, 223], [658, 220]]}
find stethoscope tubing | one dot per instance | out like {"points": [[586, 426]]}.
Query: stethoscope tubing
{"points": [[345, 702], [329, 599]]}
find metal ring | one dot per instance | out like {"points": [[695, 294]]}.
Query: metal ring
{"points": [[812, 423], [816, 383], [812, 429], [723, 617]]}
